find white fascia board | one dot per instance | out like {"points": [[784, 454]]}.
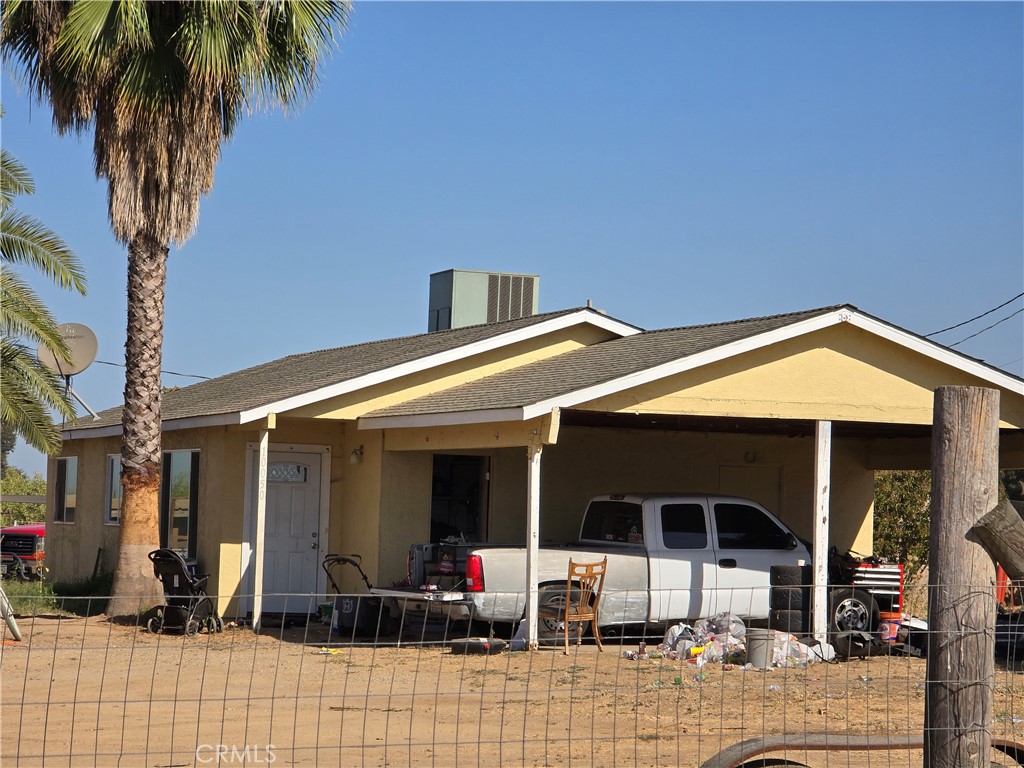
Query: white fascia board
{"points": [[580, 317], [83, 433], [195, 422], [937, 352], [688, 363], [441, 419]]}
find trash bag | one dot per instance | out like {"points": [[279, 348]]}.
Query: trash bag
{"points": [[676, 633], [723, 626], [790, 652], [731, 625]]}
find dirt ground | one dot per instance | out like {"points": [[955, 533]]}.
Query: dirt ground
{"points": [[86, 692]]}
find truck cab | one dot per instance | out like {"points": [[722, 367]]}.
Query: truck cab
{"points": [[706, 554], [22, 550]]}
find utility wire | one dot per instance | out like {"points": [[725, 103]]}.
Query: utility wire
{"points": [[169, 373], [990, 327], [965, 322]]}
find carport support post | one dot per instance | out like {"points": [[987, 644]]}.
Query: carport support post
{"points": [[822, 496], [961, 598], [533, 541], [261, 525]]}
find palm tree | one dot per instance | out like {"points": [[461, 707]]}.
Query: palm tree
{"points": [[163, 84], [28, 390]]}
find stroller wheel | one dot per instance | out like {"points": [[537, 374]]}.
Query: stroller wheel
{"points": [[220, 623], [192, 627], [155, 624]]}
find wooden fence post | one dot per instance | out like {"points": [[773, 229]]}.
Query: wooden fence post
{"points": [[961, 599]]}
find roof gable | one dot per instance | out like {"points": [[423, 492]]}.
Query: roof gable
{"points": [[297, 380], [612, 367]]}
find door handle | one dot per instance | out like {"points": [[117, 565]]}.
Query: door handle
{"points": [[314, 546], [727, 562]]}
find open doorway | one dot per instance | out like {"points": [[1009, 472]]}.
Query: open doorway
{"points": [[459, 500]]}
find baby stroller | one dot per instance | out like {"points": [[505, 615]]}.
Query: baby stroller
{"points": [[188, 607]]}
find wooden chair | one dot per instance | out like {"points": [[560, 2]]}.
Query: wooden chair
{"points": [[582, 598]]}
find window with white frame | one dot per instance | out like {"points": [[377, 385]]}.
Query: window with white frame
{"points": [[66, 491], [179, 502], [112, 506]]}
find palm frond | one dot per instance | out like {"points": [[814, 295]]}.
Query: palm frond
{"points": [[14, 179], [24, 316], [28, 391], [24, 240]]}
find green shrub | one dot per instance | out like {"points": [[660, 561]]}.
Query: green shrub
{"points": [[30, 598]]}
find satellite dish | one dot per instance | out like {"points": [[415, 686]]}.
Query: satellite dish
{"points": [[81, 343]]}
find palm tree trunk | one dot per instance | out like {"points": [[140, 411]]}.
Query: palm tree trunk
{"points": [[135, 587]]}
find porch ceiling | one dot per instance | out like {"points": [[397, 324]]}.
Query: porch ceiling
{"points": [[749, 426]]}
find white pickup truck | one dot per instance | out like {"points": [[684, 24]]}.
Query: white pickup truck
{"points": [[670, 558]]}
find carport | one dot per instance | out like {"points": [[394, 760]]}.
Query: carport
{"points": [[822, 398]]}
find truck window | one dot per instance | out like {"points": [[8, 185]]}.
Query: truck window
{"points": [[741, 526], [684, 526], [617, 521]]}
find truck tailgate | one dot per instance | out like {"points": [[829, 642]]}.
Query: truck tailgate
{"points": [[450, 603]]}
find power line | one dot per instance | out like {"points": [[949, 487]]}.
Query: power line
{"points": [[965, 322], [990, 327], [169, 373]]}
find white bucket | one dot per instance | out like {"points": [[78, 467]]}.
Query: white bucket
{"points": [[760, 646]]}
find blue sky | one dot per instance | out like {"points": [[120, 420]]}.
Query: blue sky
{"points": [[677, 163]]}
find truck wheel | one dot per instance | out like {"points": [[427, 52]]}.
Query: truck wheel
{"points": [[852, 610], [550, 631]]}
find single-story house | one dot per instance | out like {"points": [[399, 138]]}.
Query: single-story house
{"points": [[372, 447]]}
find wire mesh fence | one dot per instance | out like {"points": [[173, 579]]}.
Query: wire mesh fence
{"points": [[325, 682]]}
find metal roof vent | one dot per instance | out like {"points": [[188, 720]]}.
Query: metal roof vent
{"points": [[461, 297]]}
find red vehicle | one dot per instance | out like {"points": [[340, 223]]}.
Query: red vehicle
{"points": [[22, 550]]}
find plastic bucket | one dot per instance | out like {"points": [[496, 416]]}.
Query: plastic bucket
{"points": [[889, 626], [760, 646]]}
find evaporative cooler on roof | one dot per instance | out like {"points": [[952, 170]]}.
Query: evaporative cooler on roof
{"points": [[460, 297]]}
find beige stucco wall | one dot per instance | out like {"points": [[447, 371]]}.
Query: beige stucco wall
{"points": [[72, 548], [406, 495], [588, 462]]}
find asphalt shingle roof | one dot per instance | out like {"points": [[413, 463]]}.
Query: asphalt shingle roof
{"points": [[298, 374], [592, 365]]}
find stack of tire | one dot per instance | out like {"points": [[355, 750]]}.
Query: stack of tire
{"points": [[790, 599]]}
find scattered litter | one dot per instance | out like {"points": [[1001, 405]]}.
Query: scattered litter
{"points": [[721, 639], [328, 652], [774, 688]]}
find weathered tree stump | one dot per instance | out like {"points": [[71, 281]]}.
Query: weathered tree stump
{"points": [[1001, 533], [961, 604]]}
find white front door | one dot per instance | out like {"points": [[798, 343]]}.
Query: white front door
{"points": [[291, 553]]}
